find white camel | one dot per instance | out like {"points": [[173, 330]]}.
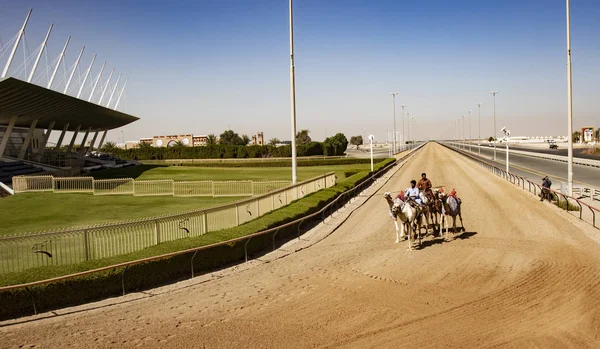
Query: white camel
{"points": [[408, 217]]}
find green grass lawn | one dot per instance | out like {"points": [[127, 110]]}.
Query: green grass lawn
{"points": [[34, 212], [191, 173]]}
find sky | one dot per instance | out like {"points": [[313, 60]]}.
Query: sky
{"points": [[202, 67]]}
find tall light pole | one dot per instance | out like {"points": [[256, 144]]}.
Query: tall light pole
{"points": [[408, 131], [569, 103], [494, 93], [464, 137], [394, 94], [403, 133], [293, 97], [470, 136], [479, 126]]}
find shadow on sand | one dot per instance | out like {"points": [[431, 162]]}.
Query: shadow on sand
{"points": [[436, 240]]}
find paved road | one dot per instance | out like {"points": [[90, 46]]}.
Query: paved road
{"points": [[524, 274], [534, 169], [562, 150]]}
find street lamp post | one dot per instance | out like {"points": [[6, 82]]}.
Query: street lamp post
{"points": [[479, 127], [569, 103], [470, 136], [408, 131], [464, 137], [506, 138], [494, 93], [403, 132], [394, 94], [293, 97], [371, 138]]}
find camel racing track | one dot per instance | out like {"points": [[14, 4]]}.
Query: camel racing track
{"points": [[523, 274]]}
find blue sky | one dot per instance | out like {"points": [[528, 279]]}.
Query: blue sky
{"points": [[203, 66]]}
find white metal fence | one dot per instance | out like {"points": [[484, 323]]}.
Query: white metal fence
{"points": [[129, 186], [69, 246]]}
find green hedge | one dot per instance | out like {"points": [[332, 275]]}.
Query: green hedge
{"points": [[276, 163], [218, 151], [152, 274]]}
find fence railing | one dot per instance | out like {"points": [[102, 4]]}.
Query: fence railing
{"points": [[23, 251], [129, 186], [585, 212], [322, 214]]}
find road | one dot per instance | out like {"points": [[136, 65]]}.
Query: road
{"points": [[534, 168], [524, 274]]}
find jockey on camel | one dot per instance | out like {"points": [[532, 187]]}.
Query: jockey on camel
{"points": [[413, 193], [425, 186]]}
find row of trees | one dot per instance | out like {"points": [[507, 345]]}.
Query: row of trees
{"points": [[231, 145]]}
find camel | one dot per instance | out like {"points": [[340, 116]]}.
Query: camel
{"points": [[450, 207], [408, 217]]}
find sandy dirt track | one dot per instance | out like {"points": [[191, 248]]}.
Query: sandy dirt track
{"points": [[522, 275]]}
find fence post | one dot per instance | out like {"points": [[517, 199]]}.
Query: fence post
{"points": [[86, 243], [173, 187], [212, 187], [204, 222], [252, 186], [53, 185], [156, 233]]}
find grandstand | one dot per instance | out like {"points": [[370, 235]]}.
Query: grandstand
{"points": [[29, 113]]}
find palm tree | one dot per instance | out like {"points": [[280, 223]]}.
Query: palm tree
{"points": [[144, 145], [211, 139], [303, 138], [245, 140], [274, 141], [109, 147]]}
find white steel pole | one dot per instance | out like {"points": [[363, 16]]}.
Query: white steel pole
{"points": [[37, 60], [494, 93], [470, 135], [371, 144], [14, 50], [569, 103], [479, 127], [403, 133], [394, 94], [60, 58], [73, 71], [293, 96], [112, 94], [97, 80], [507, 154], [105, 87], [121, 93], [87, 73]]}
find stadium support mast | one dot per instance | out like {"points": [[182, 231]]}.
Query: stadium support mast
{"points": [[97, 80], [87, 73], [112, 94], [60, 58], [121, 93], [14, 50], [73, 71], [37, 60], [105, 87]]}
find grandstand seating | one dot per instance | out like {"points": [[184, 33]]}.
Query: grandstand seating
{"points": [[16, 168]]}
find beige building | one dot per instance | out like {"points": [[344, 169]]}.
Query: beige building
{"points": [[191, 140]]}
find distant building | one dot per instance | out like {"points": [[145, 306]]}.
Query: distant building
{"points": [[258, 139]]}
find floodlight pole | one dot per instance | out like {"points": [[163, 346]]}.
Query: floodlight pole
{"points": [[470, 136], [60, 58], [97, 80], [371, 137], [394, 94], [494, 93], [37, 60], [403, 133], [293, 95], [87, 73], [73, 71], [479, 127], [569, 103], [105, 87], [14, 50]]}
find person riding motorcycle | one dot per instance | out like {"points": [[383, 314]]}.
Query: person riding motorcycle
{"points": [[546, 184]]}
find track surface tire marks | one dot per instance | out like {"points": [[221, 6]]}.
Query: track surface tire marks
{"points": [[520, 276]]}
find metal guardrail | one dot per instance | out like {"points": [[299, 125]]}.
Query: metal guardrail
{"points": [[534, 188], [70, 246], [323, 213], [545, 156], [129, 186]]}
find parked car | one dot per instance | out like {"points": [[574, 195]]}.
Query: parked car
{"points": [[553, 146]]}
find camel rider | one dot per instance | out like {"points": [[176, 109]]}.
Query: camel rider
{"points": [[413, 193], [424, 185]]}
